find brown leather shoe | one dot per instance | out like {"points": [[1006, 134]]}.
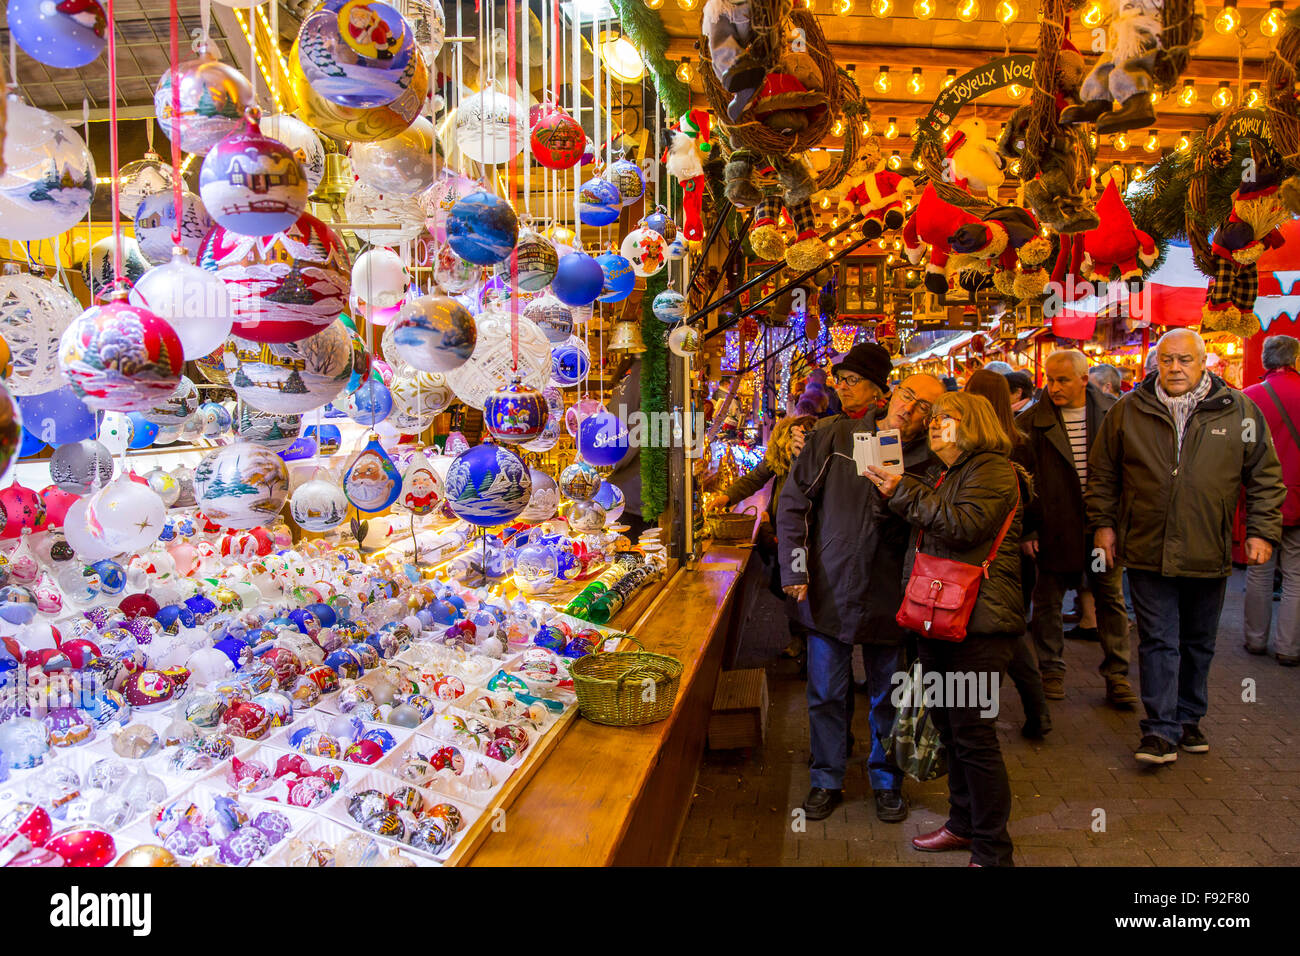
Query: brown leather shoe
{"points": [[1054, 686], [1119, 692], [937, 841]]}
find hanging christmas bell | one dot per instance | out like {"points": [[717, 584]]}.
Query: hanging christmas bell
{"points": [[627, 338], [336, 182]]}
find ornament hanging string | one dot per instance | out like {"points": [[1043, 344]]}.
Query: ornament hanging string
{"points": [[513, 169], [112, 144], [177, 184]]}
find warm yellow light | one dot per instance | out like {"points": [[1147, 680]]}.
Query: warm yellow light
{"points": [[917, 164], [684, 72], [1015, 91], [838, 128], [916, 84], [1254, 98], [889, 260], [843, 7], [882, 8], [895, 161], [834, 222], [1006, 11], [1184, 142], [1120, 142], [891, 130], [826, 202], [1152, 143], [621, 58], [866, 127], [948, 80], [1092, 171], [1138, 173], [1093, 14], [1092, 140], [1222, 98], [923, 9], [968, 10], [687, 4], [1274, 20], [1188, 94], [1228, 20], [883, 83], [1015, 168], [654, 4], [947, 134]]}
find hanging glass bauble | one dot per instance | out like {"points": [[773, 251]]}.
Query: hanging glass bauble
{"points": [[585, 516], [610, 497], [552, 317], [452, 273], [164, 485], [619, 279], [177, 408], [684, 341], [599, 202], [284, 287], [570, 362], [537, 261], [212, 366], [662, 223], [211, 420], [98, 267], [554, 416], [318, 505], [430, 25], [646, 250], [125, 515], [434, 333], [578, 280], [371, 404], [155, 224], [421, 487], [417, 400], [371, 481], [491, 127], [194, 302], [515, 413], [360, 124], [379, 278], [357, 53], [57, 416], [557, 139], [252, 184], [579, 481], [629, 179], [302, 142], [121, 357], [677, 247], [536, 569], [49, 177], [293, 377], [493, 363], [11, 430], [669, 306], [67, 35], [328, 438], [488, 485], [482, 228], [274, 432], [241, 485], [437, 201], [364, 203], [544, 500], [34, 313], [602, 439], [213, 99], [399, 165]]}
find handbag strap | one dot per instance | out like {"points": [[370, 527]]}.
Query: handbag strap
{"points": [[1002, 533], [1295, 435]]}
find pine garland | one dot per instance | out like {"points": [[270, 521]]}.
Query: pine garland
{"points": [[645, 29], [654, 398]]}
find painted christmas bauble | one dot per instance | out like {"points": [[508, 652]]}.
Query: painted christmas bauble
{"points": [[212, 366], [121, 357], [438, 200], [98, 268], [610, 497], [488, 485], [536, 259], [371, 404], [155, 225], [328, 438], [318, 505], [164, 485], [142, 178], [147, 855], [578, 280], [252, 184], [80, 467], [417, 400], [669, 306], [434, 333], [126, 515], [142, 432], [193, 301], [357, 53], [552, 317], [241, 485], [570, 362], [602, 439], [34, 314], [148, 687], [302, 142], [360, 124], [49, 176], [422, 491], [599, 202], [178, 406], [269, 430], [662, 223], [22, 510], [677, 247], [646, 250], [544, 499], [379, 278], [554, 416], [491, 127], [580, 481], [557, 139], [496, 361], [372, 482], [452, 273], [366, 204], [213, 419], [213, 99], [629, 179], [684, 341], [83, 846], [482, 228], [585, 517], [398, 165], [68, 34], [619, 277], [515, 413], [284, 287]]}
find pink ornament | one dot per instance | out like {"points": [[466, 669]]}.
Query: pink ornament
{"points": [[83, 846], [252, 184], [23, 509], [57, 502], [121, 358]]}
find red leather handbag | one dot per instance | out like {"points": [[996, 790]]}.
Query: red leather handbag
{"points": [[941, 593]]}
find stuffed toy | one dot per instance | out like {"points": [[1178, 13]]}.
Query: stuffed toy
{"points": [[767, 185], [880, 197], [973, 161], [1007, 241], [688, 147], [931, 224], [1115, 244], [728, 25]]}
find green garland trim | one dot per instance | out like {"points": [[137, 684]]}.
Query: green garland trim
{"points": [[644, 27], [654, 398]]}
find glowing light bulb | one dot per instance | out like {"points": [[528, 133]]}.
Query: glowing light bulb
{"points": [[947, 134], [1092, 171], [889, 260], [654, 4], [826, 202], [1006, 11], [866, 128], [684, 72], [895, 161], [687, 4], [838, 128], [891, 130], [1015, 91], [1152, 143], [1092, 140], [1120, 142], [1015, 168], [843, 7], [1254, 98], [883, 83], [916, 84], [834, 222], [1092, 15], [917, 164], [1274, 20], [881, 9], [1228, 20], [1138, 173], [1187, 96], [1184, 142], [1222, 98], [968, 10], [923, 9]]}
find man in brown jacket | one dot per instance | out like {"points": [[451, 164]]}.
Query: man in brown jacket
{"points": [[1164, 476]]}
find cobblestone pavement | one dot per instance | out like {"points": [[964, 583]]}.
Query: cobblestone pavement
{"points": [[1235, 806]]}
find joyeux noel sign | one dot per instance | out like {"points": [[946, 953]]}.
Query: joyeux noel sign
{"points": [[1004, 71]]}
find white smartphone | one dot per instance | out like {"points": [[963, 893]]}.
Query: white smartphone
{"points": [[884, 449]]}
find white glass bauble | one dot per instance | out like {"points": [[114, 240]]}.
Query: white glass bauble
{"points": [[140, 179], [492, 365], [318, 505], [126, 515], [364, 203], [34, 314], [294, 377], [402, 165], [485, 123], [49, 176], [155, 224], [194, 302], [379, 278]]}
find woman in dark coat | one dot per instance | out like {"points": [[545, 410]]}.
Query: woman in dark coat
{"points": [[960, 518]]}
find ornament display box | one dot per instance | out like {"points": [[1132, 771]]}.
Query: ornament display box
{"points": [[739, 717]]}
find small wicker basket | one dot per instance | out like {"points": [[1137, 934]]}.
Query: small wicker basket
{"points": [[733, 526], [626, 688]]}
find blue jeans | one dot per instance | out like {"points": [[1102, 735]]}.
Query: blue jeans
{"points": [[831, 704], [1177, 621]]}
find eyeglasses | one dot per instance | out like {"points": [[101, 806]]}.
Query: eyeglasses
{"points": [[850, 380], [909, 399]]}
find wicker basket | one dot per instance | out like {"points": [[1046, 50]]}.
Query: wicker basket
{"points": [[626, 688], [733, 526]]}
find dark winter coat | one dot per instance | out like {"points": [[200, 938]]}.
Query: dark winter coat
{"points": [[961, 518], [1172, 511], [837, 536], [1057, 516]]}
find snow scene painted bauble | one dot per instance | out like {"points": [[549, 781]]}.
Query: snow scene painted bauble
{"points": [[400, 164], [80, 467], [482, 228], [194, 302], [491, 127], [49, 176], [619, 279], [669, 306], [544, 500], [684, 341], [241, 485], [176, 409], [610, 497], [437, 201], [434, 333], [155, 223], [551, 316], [372, 481], [213, 99], [578, 279], [488, 485], [371, 404], [34, 313], [142, 178], [302, 142], [599, 202], [284, 287], [292, 377], [97, 270], [360, 124], [269, 430], [570, 362], [121, 357], [366, 204], [629, 179], [252, 184], [537, 260], [318, 505], [515, 413], [68, 34], [557, 139], [646, 250], [357, 53]]}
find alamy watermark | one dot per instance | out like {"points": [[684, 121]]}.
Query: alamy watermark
{"points": [[950, 689]]}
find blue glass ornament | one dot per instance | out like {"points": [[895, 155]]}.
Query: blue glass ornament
{"points": [[669, 306], [57, 417], [300, 449], [570, 362], [627, 176], [143, 433], [662, 223], [610, 497], [482, 228], [324, 613], [67, 35], [328, 438], [370, 404], [578, 279], [372, 482], [515, 413], [31, 445], [602, 439], [619, 277], [599, 203], [488, 485]]}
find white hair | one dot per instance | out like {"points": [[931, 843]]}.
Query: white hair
{"points": [[1200, 342], [1078, 361]]}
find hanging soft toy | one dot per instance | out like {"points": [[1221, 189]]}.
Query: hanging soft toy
{"points": [[784, 182], [973, 161], [688, 146], [1007, 242], [931, 224], [880, 197], [729, 28], [1115, 244]]}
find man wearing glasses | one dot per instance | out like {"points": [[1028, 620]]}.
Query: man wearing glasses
{"points": [[841, 553]]}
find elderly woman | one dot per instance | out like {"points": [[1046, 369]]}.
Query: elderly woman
{"points": [[960, 518]]}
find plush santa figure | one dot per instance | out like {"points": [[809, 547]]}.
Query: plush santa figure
{"points": [[932, 223], [879, 197], [688, 145], [1116, 243], [1007, 241]]}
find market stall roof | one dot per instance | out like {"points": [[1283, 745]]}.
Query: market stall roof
{"points": [[936, 351]]}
